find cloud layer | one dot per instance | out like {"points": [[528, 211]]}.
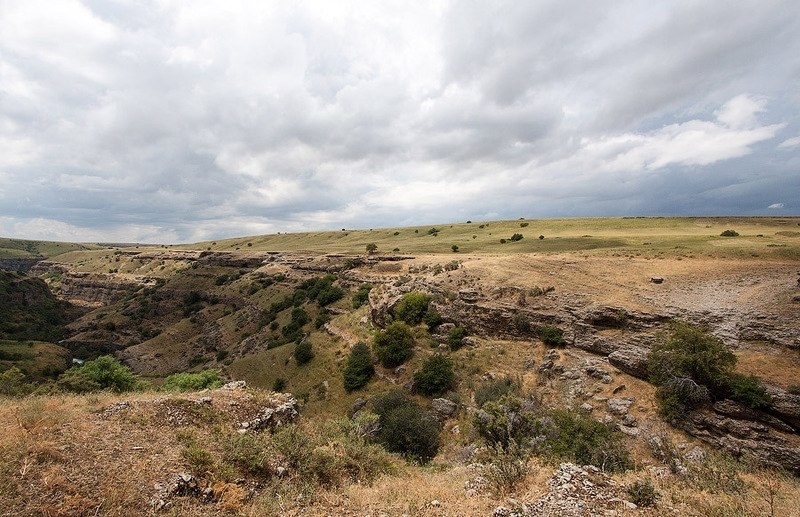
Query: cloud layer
{"points": [[170, 121]]}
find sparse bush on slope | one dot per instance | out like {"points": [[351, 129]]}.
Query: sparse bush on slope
{"points": [[394, 345], [103, 373], [358, 370], [186, 381]]}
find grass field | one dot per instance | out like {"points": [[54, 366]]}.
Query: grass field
{"points": [[763, 236], [20, 248]]}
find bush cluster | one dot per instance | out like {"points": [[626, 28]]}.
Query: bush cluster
{"points": [[104, 373], [455, 337], [512, 422], [494, 389], [193, 381], [693, 367], [322, 290]]}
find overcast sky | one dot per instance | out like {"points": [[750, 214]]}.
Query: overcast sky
{"points": [[174, 121]]}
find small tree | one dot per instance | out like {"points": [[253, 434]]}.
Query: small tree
{"points": [[303, 352], [405, 427], [516, 237], [361, 295], [454, 247], [372, 248], [394, 345], [104, 373], [358, 370], [435, 377]]}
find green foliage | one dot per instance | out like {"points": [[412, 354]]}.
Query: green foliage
{"points": [[454, 247], [14, 383], [643, 493], [581, 439], [749, 390], [412, 307], [510, 422], [293, 330], [523, 225], [405, 427], [29, 311], [248, 452], [104, 373], [394, 345], [321, 319], [372, 248], [321, 290], [516, 237], [729, 233], [494, 389], [455, 337], [551, 336], [433, 231], [693, 367], [435, 377], [432, 318], [361, 295], [359, 369], [303, 352], [279, 384], [186, 381]]}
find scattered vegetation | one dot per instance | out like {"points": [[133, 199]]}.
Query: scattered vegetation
{"points": [[643, 493], [455, 337], [303, 352], [729, 233]]}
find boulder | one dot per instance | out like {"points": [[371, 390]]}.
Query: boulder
{"points": [[444, 408], [631, 360]]}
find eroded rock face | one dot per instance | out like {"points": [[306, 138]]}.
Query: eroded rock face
{"points": [[745, 438]]}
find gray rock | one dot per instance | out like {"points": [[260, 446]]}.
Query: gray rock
{"points": [[630, 359], [619, 407], [444, 408]]}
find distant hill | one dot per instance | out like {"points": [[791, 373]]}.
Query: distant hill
{"points": [[29, 311], [22, 248]]}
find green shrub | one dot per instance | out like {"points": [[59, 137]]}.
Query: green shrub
{"points": [[505, 421], [749, 390], [729, 233], [494, 389], [321, 319], [455, 337], [454, 247], [303, 352], [551, 336], [103, 373], [372, 248], [358, 370], [693, 367], [435, 377], [193, 381], [279, 384], [643, 493], [432, 318], [329, 295], [14, 382], [248, 452], [406, 428], [579, 438], [361, 295], [394, 345], [516, 237], [412, 307]]}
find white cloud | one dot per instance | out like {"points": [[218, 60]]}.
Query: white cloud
{"points": [[775, 206], [790, 143], [206, 119]]}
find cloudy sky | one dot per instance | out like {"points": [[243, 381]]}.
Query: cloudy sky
{"points": [[172, 121]]}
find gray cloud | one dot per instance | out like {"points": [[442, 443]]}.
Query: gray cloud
{"points": [[177, 122]]}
